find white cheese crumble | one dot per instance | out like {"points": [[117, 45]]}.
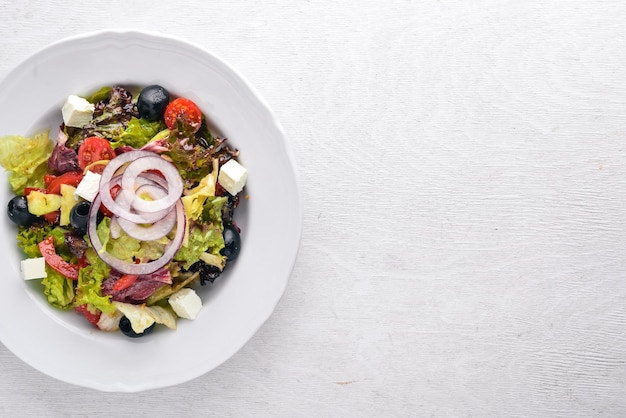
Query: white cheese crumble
{"points": [[77, 112], [89, 186], [232, 177], [186, 303], [33, 268]]}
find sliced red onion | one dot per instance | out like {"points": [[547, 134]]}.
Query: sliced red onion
{"points": [[152, 232], [114, 228], [145, 220], [172, 178], [132, 268], [149, 161], [124, 200], [153, 191]]}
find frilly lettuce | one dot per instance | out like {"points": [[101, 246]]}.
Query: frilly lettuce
{"points": [[102, 94], [204, 240], [29, 236], [128, 248], [212, 211], [58, 289], [89, 285], [192, 160], [138, 133], [26, 159], [195, 198], [200, 241]]}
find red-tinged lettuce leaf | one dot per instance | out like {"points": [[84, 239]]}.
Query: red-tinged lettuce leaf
{"points": [[143, 287]]}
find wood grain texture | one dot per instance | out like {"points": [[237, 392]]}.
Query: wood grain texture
{"points": [[463, 175]]}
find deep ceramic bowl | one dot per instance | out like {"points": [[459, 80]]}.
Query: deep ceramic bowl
{"points": [[62, 344]]}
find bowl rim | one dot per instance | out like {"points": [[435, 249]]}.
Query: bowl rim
{"points": [[268, 113]]}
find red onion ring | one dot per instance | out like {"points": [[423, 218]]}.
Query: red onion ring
{"points": [[172, 178], [152, 232], [149, 161], [132, 268], [145, 220]]}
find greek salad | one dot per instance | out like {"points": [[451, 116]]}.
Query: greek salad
{"points": [[129, 210]]}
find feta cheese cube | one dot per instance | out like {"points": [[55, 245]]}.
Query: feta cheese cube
{"points": [[33, 268], [88, 186], [186, 303], [77, 112], [232, 177]]}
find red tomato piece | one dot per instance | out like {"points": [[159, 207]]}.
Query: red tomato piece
{"points": [[93, 149], [47, 178], [98, 168], [71, 178], [91, 317], [184, 111], [49, 253], [52, 217], [124, 282]]}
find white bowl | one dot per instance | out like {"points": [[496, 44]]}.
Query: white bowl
{"points": [[62, 344]]}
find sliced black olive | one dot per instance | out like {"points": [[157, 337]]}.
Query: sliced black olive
{"points": [[207, 272], [18, 211], [79, 217], [127, 329], [232, 243], [152, 102]]}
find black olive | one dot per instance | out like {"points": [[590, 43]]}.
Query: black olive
{"points": [[232, 243], [127, 329], [18, 211], [152, 102], [207, 272], [79, 217]]}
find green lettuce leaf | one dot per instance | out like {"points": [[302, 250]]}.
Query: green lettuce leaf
{"points": [[212, 212], [128, 248], [139, 132], [103, 94], [28, 237], [58, 289], [195, 199], [89, 285], [201, 239], [151, 250], [26, 159]]}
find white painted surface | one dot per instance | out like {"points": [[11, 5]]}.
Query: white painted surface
{"points": [[463, 174]]}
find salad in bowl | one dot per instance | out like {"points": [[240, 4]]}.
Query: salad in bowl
{"points": [[62, 343], [129, 210]]}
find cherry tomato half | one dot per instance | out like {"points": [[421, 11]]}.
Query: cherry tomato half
{"points": [[184, 111], [93, 149], [71, 178]]}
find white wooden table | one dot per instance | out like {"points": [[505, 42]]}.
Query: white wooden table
{"points": [[463, 174]]}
